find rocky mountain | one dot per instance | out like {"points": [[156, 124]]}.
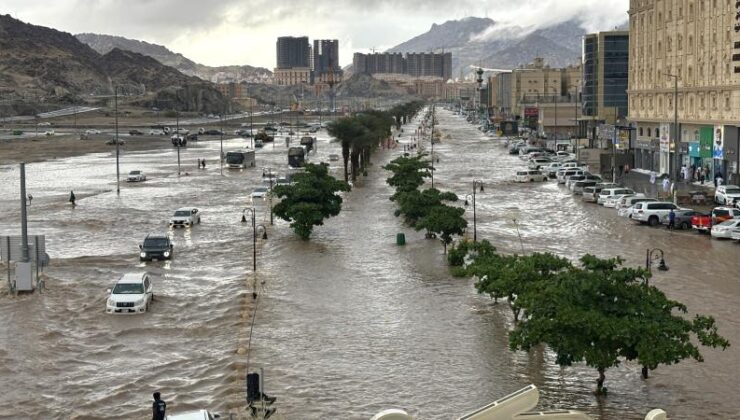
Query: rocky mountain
{"points": [[485, 42], [105, 43], [46, 64]]}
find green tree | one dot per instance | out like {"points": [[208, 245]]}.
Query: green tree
{"points": [[415, 205], [445, 221], [347, 130], [408, 173], [311, 199], [603, 313]]}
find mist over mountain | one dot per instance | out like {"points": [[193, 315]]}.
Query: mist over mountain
{"points": [[484, 42]]}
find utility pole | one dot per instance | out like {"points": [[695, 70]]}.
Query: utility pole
{"points": [[24, 217], [432, 141], [179, 139], [221, 157], [118, 146], [676, 131]]}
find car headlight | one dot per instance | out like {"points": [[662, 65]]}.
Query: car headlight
{"points": [[167, 253], [111, 302], [143, 254], [139, 302]]}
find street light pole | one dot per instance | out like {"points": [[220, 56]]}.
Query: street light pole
{"points": [[179, 139], [476, 183], [432, 141], [253, 214], [221, 157], [676, 131], [118, 147], [651, 256], [269, 173]]}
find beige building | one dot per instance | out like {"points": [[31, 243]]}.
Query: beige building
{"points": [[695, 41], [292, 76]]}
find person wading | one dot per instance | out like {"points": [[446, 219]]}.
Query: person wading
{"points": [[671, 220], [159, 407]]}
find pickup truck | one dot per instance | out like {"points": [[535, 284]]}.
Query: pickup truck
{"points": [[703, 222]]}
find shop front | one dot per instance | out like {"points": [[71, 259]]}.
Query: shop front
{"points": [[706, 138], [646, 154]]}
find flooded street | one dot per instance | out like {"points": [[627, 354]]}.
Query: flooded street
{"points": [[349, 323]]}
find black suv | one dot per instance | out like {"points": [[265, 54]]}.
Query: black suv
{"points": [[156, 247]]}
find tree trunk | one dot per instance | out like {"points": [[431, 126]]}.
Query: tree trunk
{"points": [[354, 156], [345, 157], [600, 389]]}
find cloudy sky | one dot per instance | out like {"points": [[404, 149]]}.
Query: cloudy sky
{"points": [[244, 31]]}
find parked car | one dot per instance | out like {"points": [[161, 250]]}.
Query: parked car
{"points": [[156, 247], [185, 217], [628, 200], [529, 176], [578, 186], [49, 133], [92, 131], [611, 201], [703, 223], [136, 176], [610, 192], [258, 144], [538, 162], [653, 212], [564, 173], [551, 169], [44, 124], [724, 230], [736, 234], [259, 192], [683, 219], [628, 211], [135, 133], [562, 156], [570, 180], [157, 133], [212, 132], [132, 294], [727, 194]]}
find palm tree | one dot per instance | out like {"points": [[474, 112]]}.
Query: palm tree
{"points": [[347, 130]]}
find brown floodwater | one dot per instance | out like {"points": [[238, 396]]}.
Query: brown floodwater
{"points": [[349, 323]]}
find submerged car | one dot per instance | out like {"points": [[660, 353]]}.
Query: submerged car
{"points": [[259, 192], [724, 230], [156, 247], [132, 294], [185, 217], [136, 176]]}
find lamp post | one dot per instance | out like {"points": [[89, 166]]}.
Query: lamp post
{"points": [[431, 136], [676, 131], [269, 174], [179, 139], [253, 214], [476, 184], [221, 157], [118, 148], [651, 256]]}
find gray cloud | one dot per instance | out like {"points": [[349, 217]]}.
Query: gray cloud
{"points": [[228, 31]]}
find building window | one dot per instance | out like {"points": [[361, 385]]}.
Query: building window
{"points": [[680, 42], [657, 132], [641, 131], [727, 102]]}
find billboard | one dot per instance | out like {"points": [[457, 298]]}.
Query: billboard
{"points": [[718, 143], [665, 139], [531, 116]]}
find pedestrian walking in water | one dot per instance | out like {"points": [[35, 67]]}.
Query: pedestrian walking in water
{"points": [[203, 162], [72, 198], [159, 407], [671, 220], [701, 175], [199, 163], [30, 198]]}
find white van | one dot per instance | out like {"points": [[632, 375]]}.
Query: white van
{"points": [[529, 176]]}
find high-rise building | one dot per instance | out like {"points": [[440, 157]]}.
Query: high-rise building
{"points": [[685, 62], [325, 63], [605, 71], [293, 52], [499, 91], [413, 64]]}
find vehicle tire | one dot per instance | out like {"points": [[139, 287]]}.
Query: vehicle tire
{"points": [[653, 221], [531, 180], [685, 226], [199, 220]]}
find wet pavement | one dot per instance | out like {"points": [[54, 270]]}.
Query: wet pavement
{"points": [[349, 323]]}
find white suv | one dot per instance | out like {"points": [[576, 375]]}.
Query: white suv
{"points": [[132, 294], [185, 217], [612, 192], [652, 212], [727, 194]]}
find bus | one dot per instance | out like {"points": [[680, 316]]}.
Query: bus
{"points": [[296, 157], [240, 159]]}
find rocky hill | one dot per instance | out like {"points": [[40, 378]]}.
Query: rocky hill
{"points": [[45, 64], [105, 43], [485, 42]]}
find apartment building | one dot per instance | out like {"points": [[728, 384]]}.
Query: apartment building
{"points": [[685, 62]]}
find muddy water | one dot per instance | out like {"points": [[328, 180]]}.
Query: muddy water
{"points": [[349, 323]]}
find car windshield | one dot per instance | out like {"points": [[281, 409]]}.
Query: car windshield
{"points": [[182, 213], [155, 242], [728, 223], [135, 172], [260, 189], [733, 191], [128, 289]]}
